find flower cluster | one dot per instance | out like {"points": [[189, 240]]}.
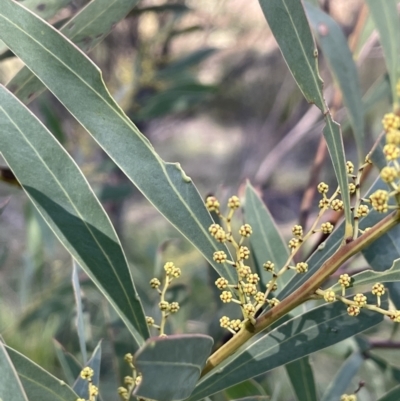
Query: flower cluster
{"points": [[130, 382], [87, 374]]}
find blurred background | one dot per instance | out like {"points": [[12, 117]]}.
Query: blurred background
{"points": [[206, 83]]}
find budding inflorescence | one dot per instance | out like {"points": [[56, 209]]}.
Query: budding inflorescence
{"points": [[87, 374], [130, 382]]}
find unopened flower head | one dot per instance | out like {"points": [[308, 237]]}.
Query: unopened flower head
{"points": [[220, 256], [244, 271], [352, 188], [351, 397], [93, 390], [226, 296], [323, 188], [389, 174], [249, 309], [349, 167], [155, 283], [273, 302], [164, 306], [245, 230], [253, 278], [390, 121], [395, 316], [128, 380], [269, 266], [294, 243], [220, 235], [174, 307], [212, 204], [379, 200], [169, 267], [344, 280], [221, 283], [149, 321], [259, 297], [233, 202], [393, 136], [353, 310], [128, 358], [329, 296], [224, 322], [244, 252], [324, 203], [214, 228], [362, 211], [297, 231], [327, 227], [249, 289], [235, 324], [301, 267], [272, 286], [391, 151], [337, 205], [360, 300], [378, 289], [87, 373]]}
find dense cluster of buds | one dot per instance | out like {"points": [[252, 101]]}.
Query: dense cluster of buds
{"points": [[87, 374]]}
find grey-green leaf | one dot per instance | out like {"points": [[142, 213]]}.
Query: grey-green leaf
{"points": [[340, 60], [392, 395], [69, 364], [249, 388], [292, 340], [289, 25], [343, 378], [78, 84], [302, 380], [86, 29], [81, 385], [175, 361], [37, 382], [266, 241], [64, 198], [386, 19], [10, 384]]}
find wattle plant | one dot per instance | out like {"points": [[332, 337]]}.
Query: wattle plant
{"points": [[293, 297]]}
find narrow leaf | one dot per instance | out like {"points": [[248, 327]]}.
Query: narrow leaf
{"points": [[289, 25], [386, 19], [37, 382], [392, 395], [81, 385], [343, 378], [249, 388], [266, 241], [301, 377], [86, 29], [78, 84], [10, 384], [63, 197], [69, 364], [80, 327], [176, 361], [340, 60], [292, 340]]}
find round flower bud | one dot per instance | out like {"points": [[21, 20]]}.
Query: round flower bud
{"points": [[87, 373], [249, 309], [322, 188], [128, 380], [324, 203], [391, 152], [149, 321], [388, 174], [297, 231], [226, 297], [272, 286], [337, 205], [378, 289], [138, 379], [155, 283], [351, 397], [244, 271], [244, 252], [294, 243], [352, 188], [344, 280], [395, 316], [93, 390], [233, 203], [164, 306], [273, 302], [224, 322], [122, 391], [245, 230], [327, 227], [379, 200], [253, 278], [235, 324], [174, 307], [169, 267], [353, 310], [390, 120], [221, 283], [259, 297], [329, 296], [220, 235], [301, 267], [393, 136], [220, 256], [212, 204], [349, 167], [214, 228], [360, 300], [128, 358], [269, 266], [249, 289], [176, 272], [362, 211]]}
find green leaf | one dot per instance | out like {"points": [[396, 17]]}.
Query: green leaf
{"points": [[249, 388], [86, 29], [343, 378], [302, 379], [392, 395], [289, 25], [63, 197], [81, 385], [369, 277], [69, 364], [10, 384], [266, 241], [37, 382], [176, 361], [385, 16], [340, 60], [292, 340], [78, 84]]}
